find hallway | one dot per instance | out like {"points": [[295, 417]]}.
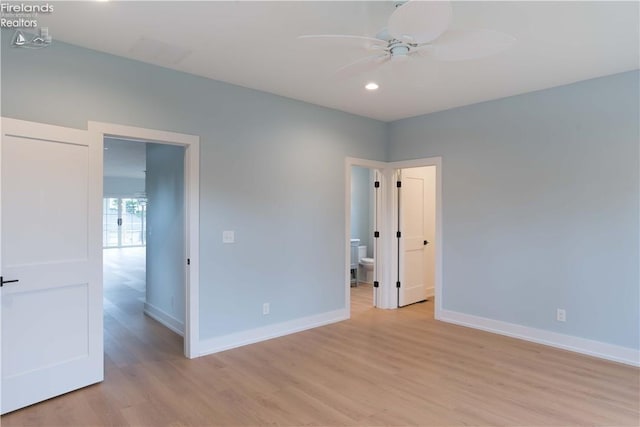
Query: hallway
{"points": [[131, 336]]}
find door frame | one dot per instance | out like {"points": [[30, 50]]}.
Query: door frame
{"points": [[393, 168], [380, 214], [191, 143]]}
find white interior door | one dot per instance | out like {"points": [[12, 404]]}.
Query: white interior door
{"points": [[417, 224], [51, 179]]}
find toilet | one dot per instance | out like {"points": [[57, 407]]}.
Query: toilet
{"points": [[365, 266], [355, 258]]}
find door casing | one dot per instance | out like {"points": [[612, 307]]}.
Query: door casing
{"points": [[191, 143], [388, 219]]}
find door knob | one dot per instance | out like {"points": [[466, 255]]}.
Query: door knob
{"points": [[2, 281], [425, 243]]}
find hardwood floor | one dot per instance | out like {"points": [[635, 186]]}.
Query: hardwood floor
{"points": [[382, 367], [361, 299]]}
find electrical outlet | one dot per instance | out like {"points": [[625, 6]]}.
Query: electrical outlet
{"points": [[265, 308], [561, 315]]}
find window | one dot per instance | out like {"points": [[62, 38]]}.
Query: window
{"points": [[124, 222]]}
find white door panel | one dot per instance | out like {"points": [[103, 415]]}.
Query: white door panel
{"points": [[51, 180], [44, 215], [417, 215]]}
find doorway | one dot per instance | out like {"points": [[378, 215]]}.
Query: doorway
{"points": [[416, 213], [175, 248], [364, 224], [362, 245], [144, 269], [407, 244]]}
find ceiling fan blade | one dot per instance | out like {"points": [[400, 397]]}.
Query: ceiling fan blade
{"points": [[464, 45], [362, 65], [420, 21], [357, 41]]}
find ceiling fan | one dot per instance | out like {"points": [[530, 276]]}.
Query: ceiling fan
{"points": [[420, 29]]}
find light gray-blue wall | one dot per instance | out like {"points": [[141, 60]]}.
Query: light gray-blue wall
{"points": [[165, 263], [540, 199], [540, 190], [118, 186], [361, 206], [272, 169]]}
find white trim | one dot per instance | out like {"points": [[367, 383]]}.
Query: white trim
{"points": [[165, 318], [142, 134], [1, 139], [192, 214], [599, 349], [393, 270], [379, 264], [238, 339]]}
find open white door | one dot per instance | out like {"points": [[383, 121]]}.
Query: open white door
{"points": [[51, 179], [416, 197]]}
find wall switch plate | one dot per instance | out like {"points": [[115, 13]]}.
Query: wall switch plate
{"points": [[265, 308], [561, 315], [228, 236]]}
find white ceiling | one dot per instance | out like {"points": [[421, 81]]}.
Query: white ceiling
{"points": [[255, 44], [125, 159]]}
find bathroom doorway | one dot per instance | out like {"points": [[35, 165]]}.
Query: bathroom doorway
{"points": [[363, 236], [394, 247]]}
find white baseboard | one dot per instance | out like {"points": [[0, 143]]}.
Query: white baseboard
{"points": [[238, 339], [431, 292], [599, 349], [165, 318]]}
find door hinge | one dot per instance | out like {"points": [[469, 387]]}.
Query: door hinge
{"points": [[376, 234], [119, 221], [397, 284], [398, 234], [399, 184], [376, 184], [376, 284], [188, 261]]}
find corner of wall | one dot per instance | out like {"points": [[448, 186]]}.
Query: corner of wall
{"points": [[164, 318]]}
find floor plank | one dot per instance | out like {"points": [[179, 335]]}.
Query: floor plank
{"points": [[381, 367]]}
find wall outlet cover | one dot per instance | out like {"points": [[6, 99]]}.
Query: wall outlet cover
{"points": [[228, 236], [561, 315]]}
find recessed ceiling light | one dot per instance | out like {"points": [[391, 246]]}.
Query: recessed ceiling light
{"points": [[372, 86]]}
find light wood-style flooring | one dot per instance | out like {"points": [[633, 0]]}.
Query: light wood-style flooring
{"points": [[381, 367]]}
